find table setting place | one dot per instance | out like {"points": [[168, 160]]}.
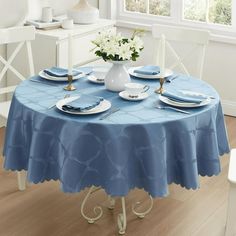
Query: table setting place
{"points": [[133, 84], [82, 103]]}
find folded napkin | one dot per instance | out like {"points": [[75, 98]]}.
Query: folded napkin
{"points": [[60, 72], [83, 103], [171, 77], [148, 70], [179, 96]]}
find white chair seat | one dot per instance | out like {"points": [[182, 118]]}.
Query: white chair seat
{"points": [[4, 108]]}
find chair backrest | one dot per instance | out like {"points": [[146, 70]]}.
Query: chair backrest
{"points": [[192, 45], [21, 35]]}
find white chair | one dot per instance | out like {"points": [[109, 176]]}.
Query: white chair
{"points": [[231, 213], [185, 48], [21, 35]]}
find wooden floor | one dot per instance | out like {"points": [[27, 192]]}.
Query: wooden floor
{"points": [[43, 210]]}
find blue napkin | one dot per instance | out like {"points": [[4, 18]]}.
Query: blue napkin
{"points": [[60, 72], [148, 70], [171, 77], [178, 96], [83, 103]]}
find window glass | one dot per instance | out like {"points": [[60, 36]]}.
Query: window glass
{"points": [[220, 12], [136, 6], [159, 7], [210, 11]]}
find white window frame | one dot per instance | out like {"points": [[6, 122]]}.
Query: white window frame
{"points": [[175, 19]]}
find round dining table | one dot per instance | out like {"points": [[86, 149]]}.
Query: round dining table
{"points": [[137, 146]]}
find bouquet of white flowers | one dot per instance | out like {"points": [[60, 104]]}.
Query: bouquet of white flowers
{"points": [[115, 47]]}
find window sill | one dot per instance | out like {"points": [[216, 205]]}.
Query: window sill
{"points": [[148, 27]]}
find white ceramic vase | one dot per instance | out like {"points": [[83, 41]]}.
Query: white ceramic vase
{"points": [[117, 76], [83, 13]]}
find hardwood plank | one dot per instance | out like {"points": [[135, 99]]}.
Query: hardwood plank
{"points": [[44, 209]]}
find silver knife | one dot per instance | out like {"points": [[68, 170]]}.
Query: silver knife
{"points": [[112, 111], [173, 108]]}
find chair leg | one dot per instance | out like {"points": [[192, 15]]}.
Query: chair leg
{"points": [[231, 214], [21, 177]]}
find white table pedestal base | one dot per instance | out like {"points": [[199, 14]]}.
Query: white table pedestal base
{"points": [[21, 179], [121, 219]]}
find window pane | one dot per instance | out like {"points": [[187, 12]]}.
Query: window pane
{"points": [[212, 11], [195, 10], [159, 7], [220, 11], [136, 5]]}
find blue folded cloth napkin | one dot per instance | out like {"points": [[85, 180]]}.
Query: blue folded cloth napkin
{"points": [[83, 103], [148, 70], [179, 96], [60, 72], [171, 77]]}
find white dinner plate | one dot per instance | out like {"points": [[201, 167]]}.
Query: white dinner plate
{"points": [[43, 75], [184, 104], [101, 107], [126, 96], [95, 79], [131, 70]]}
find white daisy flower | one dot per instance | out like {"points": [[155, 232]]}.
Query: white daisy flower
{"points": [[125, 52]]}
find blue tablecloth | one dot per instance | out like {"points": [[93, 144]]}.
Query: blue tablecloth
{"points": [[138, 146]]}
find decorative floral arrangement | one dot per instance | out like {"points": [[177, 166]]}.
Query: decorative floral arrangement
{"points": [[115, 47]]}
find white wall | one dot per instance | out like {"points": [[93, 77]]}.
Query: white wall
{"points": [[219, 69]]}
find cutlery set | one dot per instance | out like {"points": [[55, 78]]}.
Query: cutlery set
{"points": [[115, 109]]}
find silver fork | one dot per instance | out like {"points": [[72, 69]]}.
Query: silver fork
{"points": [[50, 107], [173, 108], [110, 112]]}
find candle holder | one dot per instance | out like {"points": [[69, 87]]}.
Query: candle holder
{"points": [[70, 86], [161, 89]]}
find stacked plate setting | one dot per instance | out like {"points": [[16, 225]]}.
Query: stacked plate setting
{"points": [[206, 100], [43, 75], [132, 72], [101, 107]]}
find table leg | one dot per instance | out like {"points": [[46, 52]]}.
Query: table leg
{"points": [[97, 209], [112, 203], [122, 220], [142, 214], [21, 179]]}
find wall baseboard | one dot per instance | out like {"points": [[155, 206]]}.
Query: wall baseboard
{"points": [[229, 107]]}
